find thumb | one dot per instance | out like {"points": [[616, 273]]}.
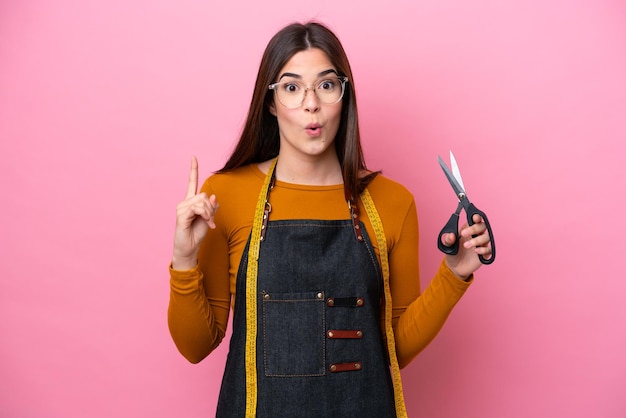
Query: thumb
{"points": [[448, 239]]}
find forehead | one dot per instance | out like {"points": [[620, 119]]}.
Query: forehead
{"points": [[308, 64]]}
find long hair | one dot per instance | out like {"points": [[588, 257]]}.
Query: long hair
{"points": [[260, 141]]}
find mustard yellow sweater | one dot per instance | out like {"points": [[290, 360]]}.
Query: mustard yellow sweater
{"points": [[200, 299]]}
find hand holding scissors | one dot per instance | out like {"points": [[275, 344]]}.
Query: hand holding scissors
{"points": [[452, 227]]}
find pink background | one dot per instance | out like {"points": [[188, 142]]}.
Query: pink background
{"points": [[102, 105]]}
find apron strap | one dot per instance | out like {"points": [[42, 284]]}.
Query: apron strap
{"points": [[372, 213], [354, 215]]}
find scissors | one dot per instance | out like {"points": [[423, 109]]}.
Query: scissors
{"points": [[452, 227]]}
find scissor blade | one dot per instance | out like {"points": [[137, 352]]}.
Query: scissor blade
{"points": [[455, 171], [458, 190]]}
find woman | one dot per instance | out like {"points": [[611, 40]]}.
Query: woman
{"points": [[325, 299]]}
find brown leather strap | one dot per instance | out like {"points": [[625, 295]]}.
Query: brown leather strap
{"points": [[354, 215], [344, 333], [345, 367], [268, 207]]}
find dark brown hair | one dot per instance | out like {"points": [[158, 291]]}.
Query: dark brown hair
{"points": [[259, 140]]}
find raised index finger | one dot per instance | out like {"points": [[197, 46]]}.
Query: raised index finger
{"points": [[192, 186]]}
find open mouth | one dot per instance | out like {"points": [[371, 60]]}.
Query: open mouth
{"points": [[313, 128]]}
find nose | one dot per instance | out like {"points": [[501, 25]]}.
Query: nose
{"points": [[311, 103]]}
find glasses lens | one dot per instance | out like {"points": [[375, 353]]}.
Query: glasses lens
{"points": [[329, 90], [292, 93]]}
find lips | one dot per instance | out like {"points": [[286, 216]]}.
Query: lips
{"points": [[313, 129]]}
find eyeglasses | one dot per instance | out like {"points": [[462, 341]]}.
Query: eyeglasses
{"points": [[292, 93]]}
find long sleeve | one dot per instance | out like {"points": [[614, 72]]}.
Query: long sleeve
{"points": [[197, 323], [200, 298], [417, 317], [420, 323]]}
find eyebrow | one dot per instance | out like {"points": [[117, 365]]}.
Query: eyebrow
{"points": [[322, 74]]}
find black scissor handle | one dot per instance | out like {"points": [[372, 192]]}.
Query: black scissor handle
{"points": [[472, 210], [452, 227]]}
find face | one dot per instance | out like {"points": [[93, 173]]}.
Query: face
{"points": [[308, 130]]}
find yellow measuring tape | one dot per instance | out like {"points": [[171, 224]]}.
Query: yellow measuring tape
{"points": [[251, 294], [251, 301], [372, 213]]}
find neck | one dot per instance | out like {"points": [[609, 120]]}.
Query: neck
{"points": [[324, 172]]}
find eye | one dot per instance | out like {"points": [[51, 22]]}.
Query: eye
{"points": [[291, 87], [327, 85]]}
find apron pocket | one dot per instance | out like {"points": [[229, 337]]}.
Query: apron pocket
{"points": [[293, 334]]}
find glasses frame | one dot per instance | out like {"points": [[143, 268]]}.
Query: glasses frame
{"points": [[313, 87]]}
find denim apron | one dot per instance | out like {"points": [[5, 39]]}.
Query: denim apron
{"points": [[319, 344]]}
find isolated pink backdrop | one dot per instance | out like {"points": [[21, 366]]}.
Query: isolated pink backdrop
{"points": [[102, 105]]}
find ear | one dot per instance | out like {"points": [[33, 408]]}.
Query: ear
{"points": [[272, 109]]}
